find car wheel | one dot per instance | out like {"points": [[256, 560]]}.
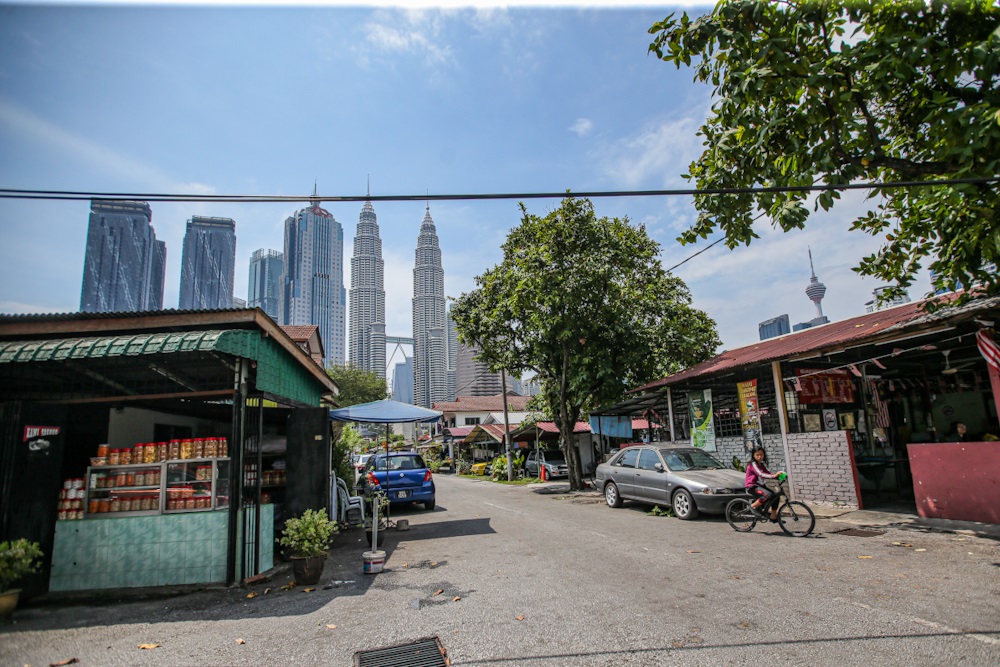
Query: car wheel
{"points": [[611, 496], [684, 507], [429, 505]]}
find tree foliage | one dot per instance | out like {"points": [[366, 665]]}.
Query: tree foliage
{"points": [[584, 303], [841, 91], [356, 385]]}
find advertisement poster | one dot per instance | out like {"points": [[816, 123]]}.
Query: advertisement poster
{"points": [[749, 414], [815, 387], [702, 425]]}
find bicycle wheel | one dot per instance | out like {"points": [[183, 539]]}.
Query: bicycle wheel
{"points": [[740, 515], [796, 519]]}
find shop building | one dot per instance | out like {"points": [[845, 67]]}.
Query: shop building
{"points": [[861, 412], [157, 448]]}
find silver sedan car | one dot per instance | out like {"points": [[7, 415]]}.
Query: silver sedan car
{"points": [[686, 478]]}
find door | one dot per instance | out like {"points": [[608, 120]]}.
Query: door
{"points": [[650, 483], [623, 472]]}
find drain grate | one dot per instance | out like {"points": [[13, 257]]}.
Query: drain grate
{"points": [[426, 652], [858, 532]]}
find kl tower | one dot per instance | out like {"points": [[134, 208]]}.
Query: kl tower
{"points": [[816, 291]]}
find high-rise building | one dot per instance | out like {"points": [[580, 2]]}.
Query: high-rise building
{"points": [[815, 290], [264, 285], [474, 377], [367, 340], [208, 264], [157, 276], [776, 326], [120, 257], [402, 381], [877, 302], [312, 285], [430, 359], [239, 303], [452, 341]]}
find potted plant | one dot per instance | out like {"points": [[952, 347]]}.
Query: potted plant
{"points": [[308, 539], [17, 558]]}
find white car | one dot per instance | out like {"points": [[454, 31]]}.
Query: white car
{"points": [[360, 460]]}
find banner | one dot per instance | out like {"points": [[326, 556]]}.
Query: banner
{"points": [[749, 414], [814, 387], [702, 424]]}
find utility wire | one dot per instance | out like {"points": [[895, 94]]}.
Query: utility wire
{"points": [[10, 193]]}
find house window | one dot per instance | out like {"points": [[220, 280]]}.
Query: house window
{"points": [[471, 421]]}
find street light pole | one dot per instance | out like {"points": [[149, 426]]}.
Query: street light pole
{"points": [[506, 426]]}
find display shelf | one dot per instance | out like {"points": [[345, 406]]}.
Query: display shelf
{"points": [[177, 482]]}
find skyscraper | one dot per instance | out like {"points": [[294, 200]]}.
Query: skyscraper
{"points": [[430, 362], [120, 257], [264, 284], [452, 341], [776, 326], [157, 276], [312, 284], [367, 342], [474, 377], [402, 381], [208, 264]]}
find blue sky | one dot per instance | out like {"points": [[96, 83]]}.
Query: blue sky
{"points": [[267, 100]]}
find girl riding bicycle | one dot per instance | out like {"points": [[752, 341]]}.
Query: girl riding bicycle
{"points": [[757, 472]]}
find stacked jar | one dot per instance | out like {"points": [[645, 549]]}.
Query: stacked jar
{"points": [[187, 448], [174, 449]]}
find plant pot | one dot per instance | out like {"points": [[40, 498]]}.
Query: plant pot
{"points": [[308, 570], [8, 601]]}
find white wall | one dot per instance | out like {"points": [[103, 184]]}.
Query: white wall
{"points": [[128, 426]]}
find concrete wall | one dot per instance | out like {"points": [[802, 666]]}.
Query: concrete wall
{"points": [[956, 480], [821, 467]]}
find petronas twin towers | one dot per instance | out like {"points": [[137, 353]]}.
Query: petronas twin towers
{"points": [[367, 312]]}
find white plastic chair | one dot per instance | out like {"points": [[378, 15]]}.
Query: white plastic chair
{"points": [[348, 502]]}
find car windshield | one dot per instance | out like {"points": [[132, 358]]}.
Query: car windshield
{"points": [[402, 462], [689, 459], [553, 457]]}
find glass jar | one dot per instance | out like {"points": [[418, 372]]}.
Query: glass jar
{"points": [[211, 447], [189, 503], [130, 479], [203, 473], [114, 457], [121, 478], [104, 505], [223, 448], [146, 503], [125, 457], [140, 478], [116, 504], [201, 503], [198, 448], [174, 450], [103, 450], [187, 448], [162, 449]]}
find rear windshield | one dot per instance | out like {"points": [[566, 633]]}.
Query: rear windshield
{"points": [[402, 462], [689, 459]]}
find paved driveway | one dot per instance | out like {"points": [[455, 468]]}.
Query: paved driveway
{"points": [[555, 580]]}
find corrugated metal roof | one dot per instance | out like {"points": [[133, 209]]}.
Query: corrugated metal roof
{"points": [[870, 326], [79, 315], [484, 403], [118, 346], [459, 431]]}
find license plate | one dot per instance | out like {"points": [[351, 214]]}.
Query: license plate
{"points": [[402, 494]]}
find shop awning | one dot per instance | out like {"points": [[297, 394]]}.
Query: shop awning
{"points": [[236, 342], [385, 412]]}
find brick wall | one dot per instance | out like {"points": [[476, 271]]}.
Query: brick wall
{"points": [[727, 448], [820, 467]]}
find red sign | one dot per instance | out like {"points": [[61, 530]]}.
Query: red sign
{"points": [[818, 386], [32, 432]]}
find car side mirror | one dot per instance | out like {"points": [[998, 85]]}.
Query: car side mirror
{"points": [[658, 467]]}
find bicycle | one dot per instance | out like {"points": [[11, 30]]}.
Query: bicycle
{"points": [[794, 517]]}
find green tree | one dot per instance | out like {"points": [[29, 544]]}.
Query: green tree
{"points": [[584, 303], [356, 385], [836, 91]]}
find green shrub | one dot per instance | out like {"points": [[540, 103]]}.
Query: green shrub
{"points": [[660, 511], [308, 535], [17, 559]]}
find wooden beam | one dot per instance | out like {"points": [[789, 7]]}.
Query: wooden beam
{"points": [[145, 397]]}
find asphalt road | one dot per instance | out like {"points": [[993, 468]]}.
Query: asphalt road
{"points": [[527, 578]]}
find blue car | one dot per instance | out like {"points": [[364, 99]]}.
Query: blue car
{"points": [[403, 476]]}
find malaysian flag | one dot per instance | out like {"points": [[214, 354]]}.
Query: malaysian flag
{"points": [[881, 408], [989, 349]]}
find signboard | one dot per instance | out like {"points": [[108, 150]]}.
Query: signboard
{"points": [[702, 424], [749, 414], [817, 386]]}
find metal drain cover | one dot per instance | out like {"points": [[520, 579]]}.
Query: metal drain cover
{"points": [[426, 652], [857, 532]]}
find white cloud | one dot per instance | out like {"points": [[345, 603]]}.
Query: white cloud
{"points": [[582, 127], [411, 32], [20, 308], [196, 189], [658, 153]]}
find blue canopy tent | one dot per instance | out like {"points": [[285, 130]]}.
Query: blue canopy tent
{"points": [[385, 412]]}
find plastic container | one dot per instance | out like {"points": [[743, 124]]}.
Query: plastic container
{"points": [[374, 561]]}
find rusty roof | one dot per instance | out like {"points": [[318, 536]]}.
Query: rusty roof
{"points": [[299, 332], [515, 403]]}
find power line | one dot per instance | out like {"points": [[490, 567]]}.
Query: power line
{"points": [[10, 193]]}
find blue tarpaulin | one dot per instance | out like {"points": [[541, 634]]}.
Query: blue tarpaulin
{"points": [[616, 427], [384, 412]]}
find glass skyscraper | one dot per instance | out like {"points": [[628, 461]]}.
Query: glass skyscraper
{"points": [[312, 284], [264, 284], [122, 266], [430, 361], [208, 264], [367, 341]]}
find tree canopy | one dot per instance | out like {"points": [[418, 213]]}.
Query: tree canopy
{"points": [[584, 303], [840, 91], [356, 385]]}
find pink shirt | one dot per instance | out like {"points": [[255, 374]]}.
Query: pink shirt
{"points": [[755, 473]]}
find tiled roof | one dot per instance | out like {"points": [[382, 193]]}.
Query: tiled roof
{"points": [[514, 402], [643, 424], [550, 427], [870, 326], [299, 332]]}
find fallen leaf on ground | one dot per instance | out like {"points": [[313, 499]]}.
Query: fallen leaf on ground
{"points": [[434, 564], [67, 661], [148, 646], [308, 590], [251, 595], [332, 626], [439, 591], [241, 641], [677, 644], [457, 598], [901, 544], [288, 587], [864, 556], [520, 617], [266, 591], [920, 549], [693, 551], [406, 565]]}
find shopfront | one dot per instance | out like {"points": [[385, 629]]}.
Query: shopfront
{"points": [[861, 412], [134, 445]]}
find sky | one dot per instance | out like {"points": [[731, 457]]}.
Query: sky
{"points": [[440, 99]]}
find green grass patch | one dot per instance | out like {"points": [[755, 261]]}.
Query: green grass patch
{"points": [[518, 482]]}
